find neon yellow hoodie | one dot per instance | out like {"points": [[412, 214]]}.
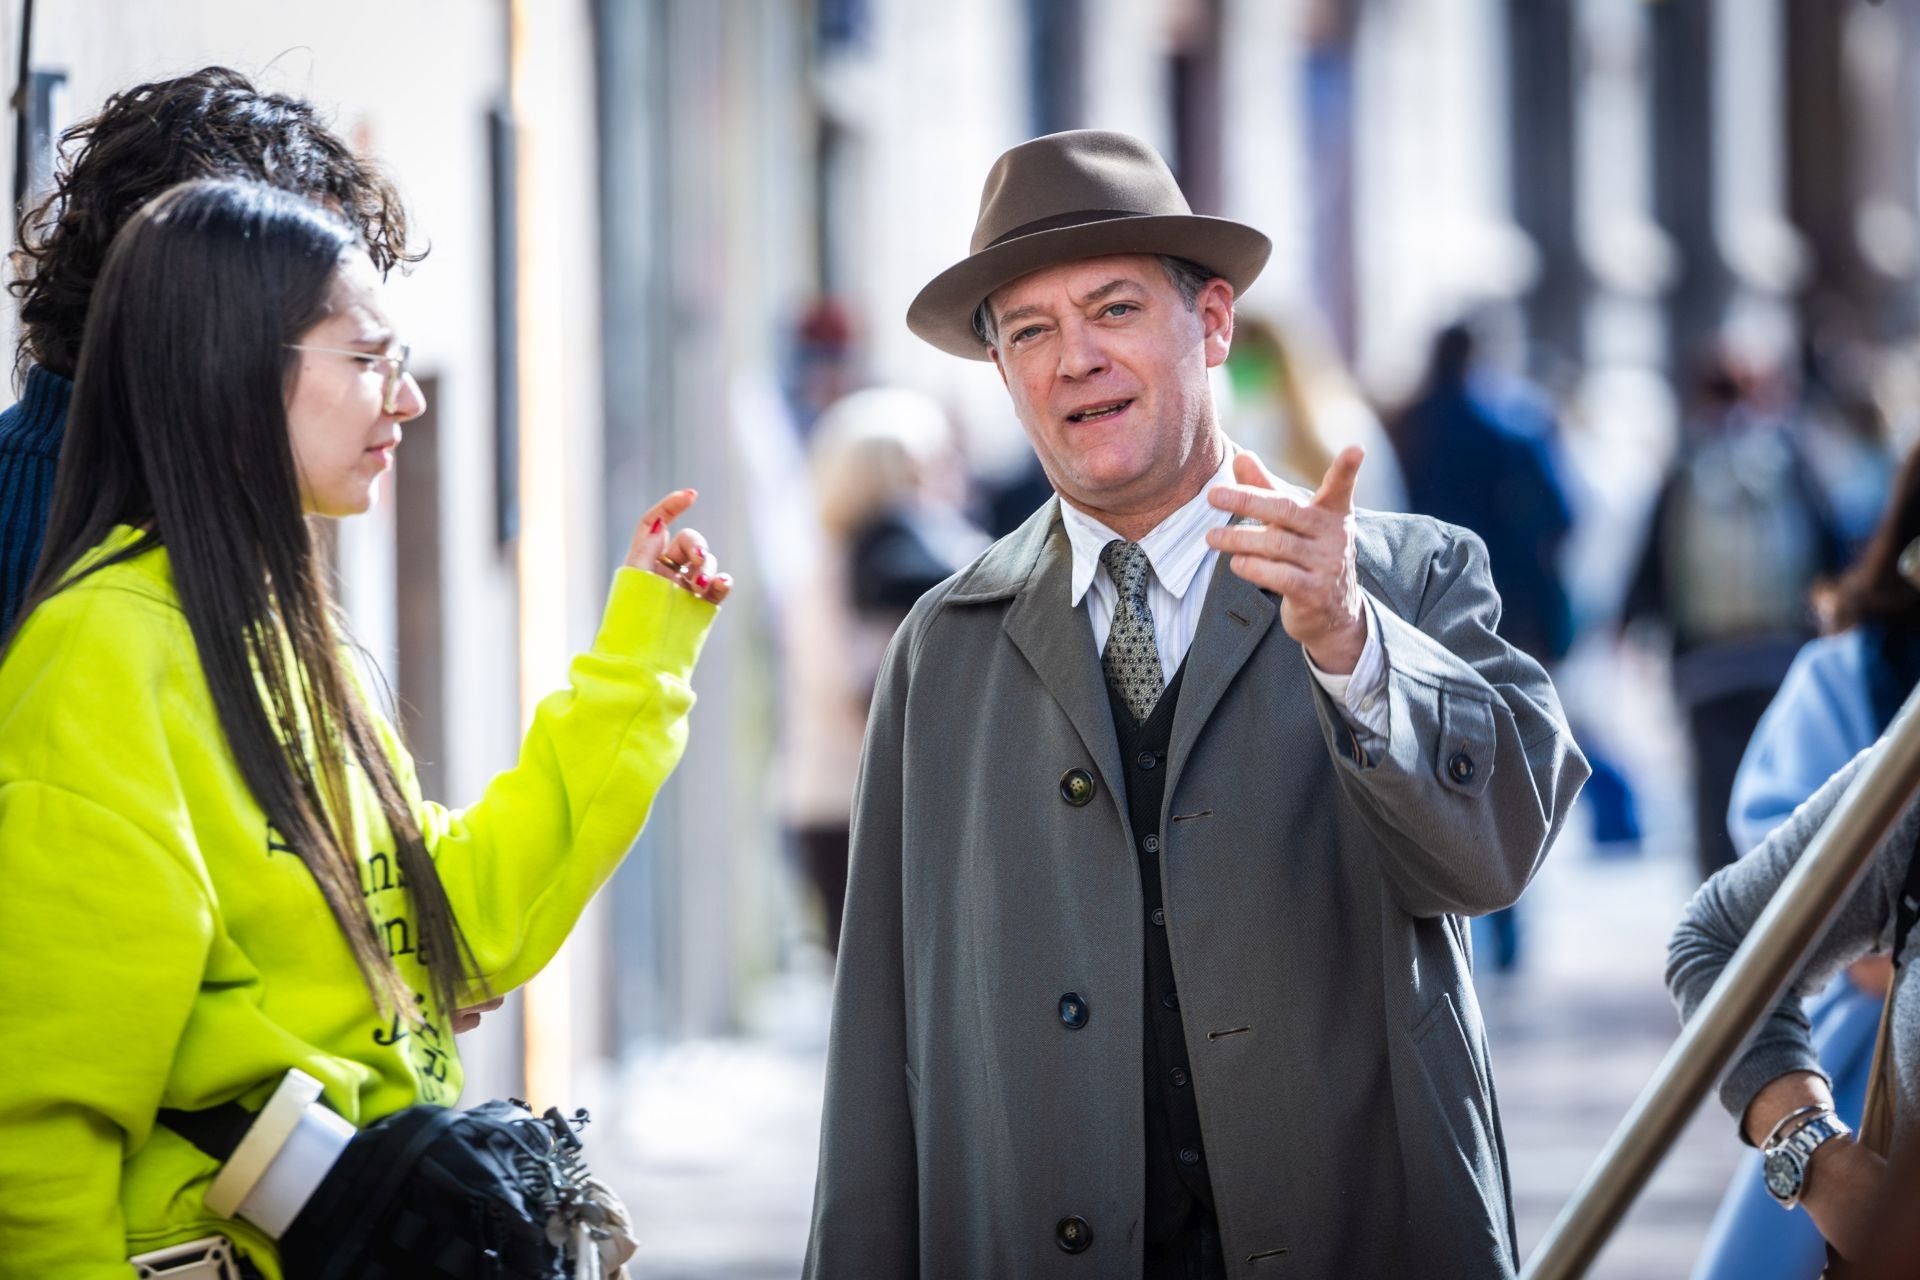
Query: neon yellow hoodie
{"points": [[157, 949]]}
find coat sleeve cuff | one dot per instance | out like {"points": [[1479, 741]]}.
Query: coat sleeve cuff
{"points": [[1438, 712], [654, 622], [1761, 1066], [1361, 696]]}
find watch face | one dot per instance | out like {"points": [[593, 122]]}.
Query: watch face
{"points": [[1782, 1174]]}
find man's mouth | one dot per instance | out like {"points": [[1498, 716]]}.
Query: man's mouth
{"points": [[1096, 412]]}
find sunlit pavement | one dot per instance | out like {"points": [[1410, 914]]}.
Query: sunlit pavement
{"points": [[717, 1143], [1577, 1032], [718, 1139]]}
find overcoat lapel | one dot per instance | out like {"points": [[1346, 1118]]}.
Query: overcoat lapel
{"points": [[1033, 568], [1233, 620], [1056, 640]]}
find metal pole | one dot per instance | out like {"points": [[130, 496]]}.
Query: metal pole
{"points": [[1792, 924], [21, 101]]}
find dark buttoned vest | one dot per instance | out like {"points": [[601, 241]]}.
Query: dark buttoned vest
{"points": [[1179, 1194]]}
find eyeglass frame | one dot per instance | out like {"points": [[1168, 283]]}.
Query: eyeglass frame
{"points": [[398, 368]]}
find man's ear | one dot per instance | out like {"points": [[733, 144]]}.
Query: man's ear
{"points": [[993, 354], [1214, 307]]}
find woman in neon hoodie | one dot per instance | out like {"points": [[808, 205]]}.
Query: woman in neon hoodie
{"points": [[217, 865]]}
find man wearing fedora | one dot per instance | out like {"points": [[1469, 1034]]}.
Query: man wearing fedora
{"points": [[1171, 806]]}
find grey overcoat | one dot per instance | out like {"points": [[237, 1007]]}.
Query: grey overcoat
{"points": [[1313, 908]]}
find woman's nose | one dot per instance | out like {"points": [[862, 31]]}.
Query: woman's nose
{"points": [[409, 401]]}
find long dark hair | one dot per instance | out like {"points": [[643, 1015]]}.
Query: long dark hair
{"points": [[1874, 591], [211, 123], [178, 427]]}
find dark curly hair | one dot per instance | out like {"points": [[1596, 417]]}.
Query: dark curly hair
{"points": [[211, 124]]}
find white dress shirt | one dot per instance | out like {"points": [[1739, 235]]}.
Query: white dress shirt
{"points": [[1180, 558]]}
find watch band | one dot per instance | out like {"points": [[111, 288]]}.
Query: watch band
{"points": [[1811, 1109], [1814, 1132], [1784, 1161]]}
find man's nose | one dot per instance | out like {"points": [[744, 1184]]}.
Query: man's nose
{"points": [[1081, 354]]}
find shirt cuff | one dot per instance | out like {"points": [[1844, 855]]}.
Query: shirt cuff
{"points": [[1362, 696]]}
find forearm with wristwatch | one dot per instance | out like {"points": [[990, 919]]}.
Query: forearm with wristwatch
{"points": [[1797, 1113], [1788, 1150]]}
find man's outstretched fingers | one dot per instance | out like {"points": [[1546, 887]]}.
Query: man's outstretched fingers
{"points": [[1272, 541], [1277, 576], [1258, 503], [1249, 470], [1336, 489]]}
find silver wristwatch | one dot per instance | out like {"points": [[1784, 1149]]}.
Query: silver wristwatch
{"points": [[1783, 1162]]}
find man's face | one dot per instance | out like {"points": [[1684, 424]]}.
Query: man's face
{"points": [[1107, 367]]}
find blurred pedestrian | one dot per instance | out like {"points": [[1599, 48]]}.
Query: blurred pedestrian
{"points": [[1837, 699], [885, 473], [1847, 432], [1294, 401], [1739, 535], [1478, 451], [211, 123], [219, 867], [823, 363], [1187, 721]]}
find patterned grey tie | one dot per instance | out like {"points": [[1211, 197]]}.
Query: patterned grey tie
{"points": [[1132, 659]]}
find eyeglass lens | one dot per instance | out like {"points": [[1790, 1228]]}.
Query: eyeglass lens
{"points": [[396, 371]]}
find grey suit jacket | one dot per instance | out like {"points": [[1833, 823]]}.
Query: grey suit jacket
{"points": [[1313, 906]]}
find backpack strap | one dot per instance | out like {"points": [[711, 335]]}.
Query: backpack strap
{"points": [[216, 1130]]}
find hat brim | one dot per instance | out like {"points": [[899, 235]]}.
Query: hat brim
{"points": [[943, 312]]}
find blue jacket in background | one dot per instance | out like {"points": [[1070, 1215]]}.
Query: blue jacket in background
{"points": [[30, 435], [1822, 717], [1480, 453]]}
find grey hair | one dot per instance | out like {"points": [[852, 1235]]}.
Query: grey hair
{"points": [[1187, 277]]}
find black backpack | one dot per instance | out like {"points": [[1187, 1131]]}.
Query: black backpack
{"points": [[431, 1193]]}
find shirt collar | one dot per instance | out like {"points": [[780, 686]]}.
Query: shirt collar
{"points": [[1175, 547]]}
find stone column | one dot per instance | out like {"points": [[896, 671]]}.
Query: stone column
{"points": [[1541, 94]]}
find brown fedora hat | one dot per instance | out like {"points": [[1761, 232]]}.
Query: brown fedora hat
{"points": [[1067, 196]]}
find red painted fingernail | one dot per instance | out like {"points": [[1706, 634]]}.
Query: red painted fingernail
{"points": [[701, 582], [656, 527]]}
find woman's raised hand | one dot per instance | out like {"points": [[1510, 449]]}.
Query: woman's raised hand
{"points": [[681, 557]]}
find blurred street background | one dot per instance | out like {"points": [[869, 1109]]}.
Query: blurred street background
{"points": [[1628, 286]]}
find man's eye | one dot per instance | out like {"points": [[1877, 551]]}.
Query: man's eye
{"points": [[1026, 333], [1119, 309]]}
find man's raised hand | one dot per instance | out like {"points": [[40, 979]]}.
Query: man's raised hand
{"points": [[1301, 551]]}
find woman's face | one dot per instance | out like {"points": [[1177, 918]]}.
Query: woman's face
{"points": [[343, 434]]}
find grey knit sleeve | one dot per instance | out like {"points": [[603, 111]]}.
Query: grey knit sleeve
{"points": [[1723, 912]]}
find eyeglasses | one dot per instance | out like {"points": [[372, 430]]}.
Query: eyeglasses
{"points": [[396, 363]]}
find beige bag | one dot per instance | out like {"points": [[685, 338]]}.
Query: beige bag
{"points": [[1876, 1118]]}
